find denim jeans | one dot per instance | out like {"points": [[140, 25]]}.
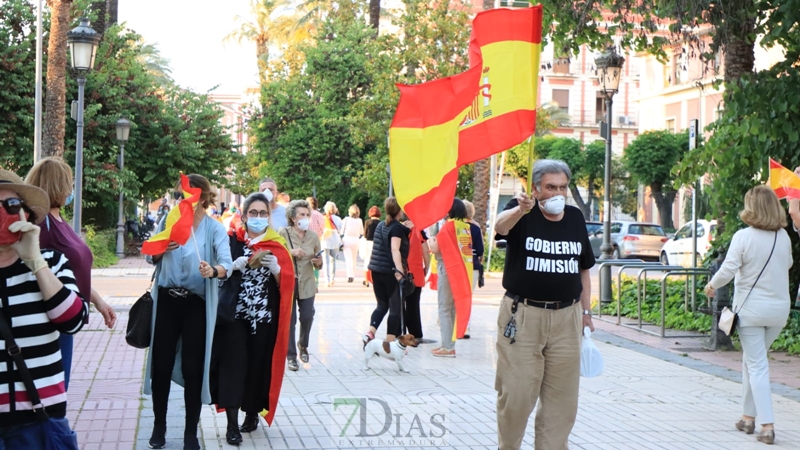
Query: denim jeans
{"points": [[65, 341], [53, 434], [330, 263]]}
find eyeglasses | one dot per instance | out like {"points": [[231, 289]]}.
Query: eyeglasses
{"points": [[12, 205], [253, 214]]}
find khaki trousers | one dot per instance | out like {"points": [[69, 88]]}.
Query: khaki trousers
{"points": [[543, 364]]}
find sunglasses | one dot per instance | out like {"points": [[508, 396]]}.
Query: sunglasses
{"points": [[12, 205]]}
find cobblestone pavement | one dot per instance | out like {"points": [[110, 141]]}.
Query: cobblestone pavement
{"points": [[651, 396]]}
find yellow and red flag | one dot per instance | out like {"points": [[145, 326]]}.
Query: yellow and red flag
{"points": [[447, 123], [783, 181], [179, 221], [455, 244], [506, 45]]}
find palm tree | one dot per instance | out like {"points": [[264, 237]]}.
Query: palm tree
{"points": [[112, 12], [267, 23], [156, 64], [375, 14], [550, 116], [56, 80]]}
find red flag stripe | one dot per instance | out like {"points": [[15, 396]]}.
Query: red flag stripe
{"points": [[509, 25], [421, 106], [478, 142], [426, 209], [456, 275]]}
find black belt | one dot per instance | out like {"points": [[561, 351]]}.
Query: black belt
{"points": [[542, 304]]}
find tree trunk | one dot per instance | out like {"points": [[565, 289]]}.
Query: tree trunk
{"points": [[112, 10], [664, 201], [375, 14], [262, 56], [99, 9], [56, 81], [576, 195], [480, 191]]}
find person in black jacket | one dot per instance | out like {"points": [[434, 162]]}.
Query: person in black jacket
{"points": [[388, 263]]}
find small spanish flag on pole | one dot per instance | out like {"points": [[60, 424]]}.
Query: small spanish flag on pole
{"points": [[783, 181], [179, 221]]}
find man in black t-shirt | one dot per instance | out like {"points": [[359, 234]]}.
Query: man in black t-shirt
{"points": [[546, 306]]}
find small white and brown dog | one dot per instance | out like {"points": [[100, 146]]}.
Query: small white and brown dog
{"points": [[394, 350]]}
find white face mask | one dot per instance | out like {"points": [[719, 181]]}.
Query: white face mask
{"points": [[303, 224], [554, 205]]}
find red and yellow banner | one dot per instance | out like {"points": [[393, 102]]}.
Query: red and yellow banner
{"points": [[179, 222], [783, 181], [447, 123], [455, 244]]}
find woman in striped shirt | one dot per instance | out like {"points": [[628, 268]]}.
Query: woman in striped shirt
{"points": [[38, 300]]}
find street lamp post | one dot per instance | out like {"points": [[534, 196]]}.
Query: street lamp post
{"points": [[82, 42], [123, 129], [609, 70]]}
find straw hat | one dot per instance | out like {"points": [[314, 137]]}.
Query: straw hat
{"points": [[34, 198]]}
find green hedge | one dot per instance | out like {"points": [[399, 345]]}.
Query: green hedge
{"points": [[498, 260], [676, 317], [103, 244], [789, 339]]}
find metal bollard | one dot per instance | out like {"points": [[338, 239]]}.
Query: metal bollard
{"points": [[722, 298]]}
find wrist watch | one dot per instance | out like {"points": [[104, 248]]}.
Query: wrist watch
{"points": [[587, 312], [215, 274]]}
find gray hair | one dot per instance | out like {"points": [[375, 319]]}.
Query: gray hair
{"points": [[545, 166], [291, 210]]}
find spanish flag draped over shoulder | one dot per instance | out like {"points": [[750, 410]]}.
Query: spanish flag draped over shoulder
{"points": [[446, 123], [179, 221], [273, 242], [783, 181], [455, 244]]}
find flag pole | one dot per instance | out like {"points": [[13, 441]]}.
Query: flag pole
{"points": [[196, 248], [530, 166]]}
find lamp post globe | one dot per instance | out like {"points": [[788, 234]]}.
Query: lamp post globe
{"points": [[609, 72], [123, 128], [82, 42]]}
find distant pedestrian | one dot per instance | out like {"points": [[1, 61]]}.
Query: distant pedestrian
{"points": [[446, 299], [54, 176], [331, 240], [40, 301], [317, 226], [546, 306], [352, 231], [278, 210], [163, 209], [389, 264], [759, 257], [477, 251], [304, 247], [284, 199], [369, 235]]}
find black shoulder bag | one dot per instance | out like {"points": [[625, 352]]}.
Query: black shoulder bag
{"points": [[140, 319], [16, 354], [728, 319]]}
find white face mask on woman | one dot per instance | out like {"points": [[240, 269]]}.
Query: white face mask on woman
{"points": [[554, 205], [303, 224]]}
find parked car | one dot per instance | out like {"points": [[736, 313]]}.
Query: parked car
{"points": [[631, 240], [592, 227], [678, 250]]}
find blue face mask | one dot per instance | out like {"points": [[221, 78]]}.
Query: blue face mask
{"points": [[69, 199], [257, 224]]}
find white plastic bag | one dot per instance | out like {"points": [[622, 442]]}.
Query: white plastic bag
{"points": [[591, 359]]}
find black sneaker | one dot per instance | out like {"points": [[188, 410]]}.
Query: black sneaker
{"points": [[158, 438], [190, 442]]}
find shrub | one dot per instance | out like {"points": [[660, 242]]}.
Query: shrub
{"points": [[789, 339], [103, 246], [498, 260], [675, 316]]}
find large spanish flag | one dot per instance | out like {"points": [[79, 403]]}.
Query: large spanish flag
{"points": [[179, 221], [506, 45], [783, 181], [455, 244], [447, 123]]}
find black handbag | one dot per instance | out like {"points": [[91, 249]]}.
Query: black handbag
{"points": [[229, 289], [140, 319]]}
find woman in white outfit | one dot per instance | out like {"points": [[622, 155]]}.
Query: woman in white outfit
{"points": [[331, 239], [760, 257], [352, 230]]}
